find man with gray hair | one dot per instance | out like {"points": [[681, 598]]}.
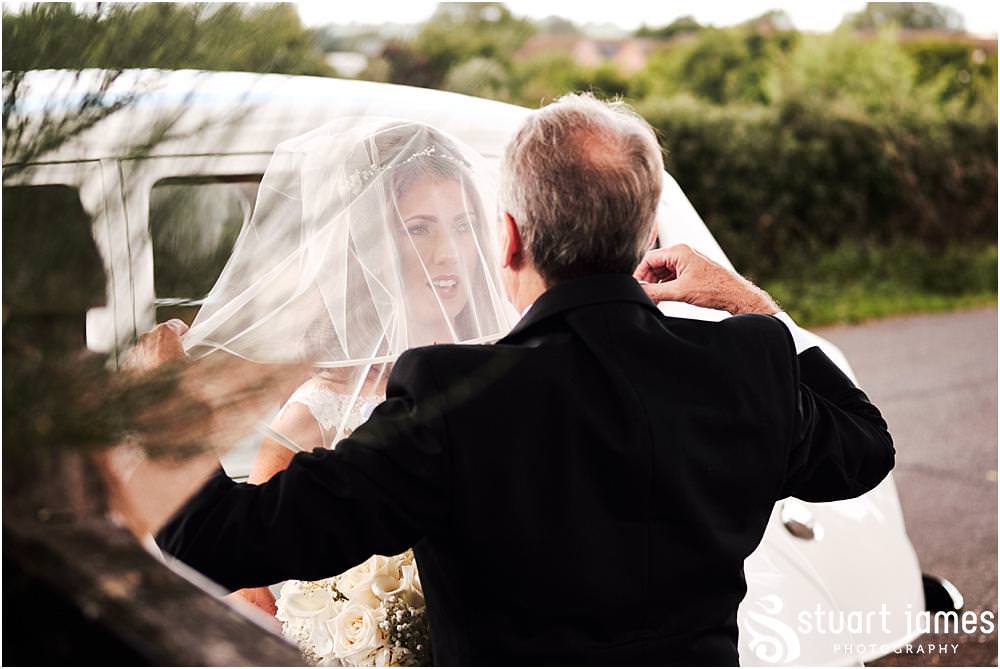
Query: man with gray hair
{"points": [[586, 490], [583, 178]]}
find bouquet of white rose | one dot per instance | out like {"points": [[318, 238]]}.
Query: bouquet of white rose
{"points": [[371, 615]]}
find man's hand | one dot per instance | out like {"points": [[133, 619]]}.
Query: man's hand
{"points": [[158, 347], [681, 274]]}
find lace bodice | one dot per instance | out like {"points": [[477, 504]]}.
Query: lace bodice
{"points": [[338, 414]]}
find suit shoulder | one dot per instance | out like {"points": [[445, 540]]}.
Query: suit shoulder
{"points": [[759, 322], [766, 330], [436, 354], [464, 374], [761, 325], [444, 360], [756, 326]]}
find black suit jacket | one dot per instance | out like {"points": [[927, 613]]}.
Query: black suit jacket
{"points": [[585, 491]]}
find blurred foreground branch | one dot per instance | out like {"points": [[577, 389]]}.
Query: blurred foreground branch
{"points": [[87, 450]]}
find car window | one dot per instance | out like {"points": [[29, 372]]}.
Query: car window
{"points": [[193, 224]]}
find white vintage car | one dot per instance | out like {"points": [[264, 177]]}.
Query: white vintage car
{"points": [[831, 584]]}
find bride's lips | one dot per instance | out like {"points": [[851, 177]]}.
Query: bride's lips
{"points": [[445, 285]]}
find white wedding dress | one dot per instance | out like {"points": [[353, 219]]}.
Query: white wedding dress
{"points": [[373, 614]]}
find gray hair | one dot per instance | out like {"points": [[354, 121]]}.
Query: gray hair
{"points": [[582, 179]]}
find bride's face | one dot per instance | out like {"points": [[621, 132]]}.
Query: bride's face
{"points": [[437, 245]]}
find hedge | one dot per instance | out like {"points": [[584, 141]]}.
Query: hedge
{"points": [[779, 186]]}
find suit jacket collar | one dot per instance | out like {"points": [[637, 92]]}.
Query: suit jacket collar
{"points": [[596, 289]]}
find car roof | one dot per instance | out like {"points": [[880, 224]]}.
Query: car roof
{"points": [[189, 112]]}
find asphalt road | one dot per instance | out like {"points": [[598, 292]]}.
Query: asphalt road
{"points": [[935, 379]]}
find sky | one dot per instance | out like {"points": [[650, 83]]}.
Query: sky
{"points": [[980, 17]]}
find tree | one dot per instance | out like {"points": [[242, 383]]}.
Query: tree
{"points": [[482, 77], [459, 32], [681, 26], [229, 36], [770, 21], [961, 76], [722, 65], [544, 78], [113, 37], [905, 15], [604, 80], [851, 73], [407, 65], [557, 25]]}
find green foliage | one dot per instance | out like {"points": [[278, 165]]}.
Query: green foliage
{"points": [[909, 15], [856, 282], [544, 78], [455, 34], [482, 77], [113, 36], [680, 26], [229, 36], [402, 63], [24, 140], [959, 76], [770, 21], [854, 74], [721, 66], [868, 141], [840, 180], [556, 25], [776, 185], [604, 81]]}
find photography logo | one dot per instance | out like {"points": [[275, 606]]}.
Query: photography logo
{"points": [[854, 633], [771, 640]]}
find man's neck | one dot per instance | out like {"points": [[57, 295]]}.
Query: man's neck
{"points": [[529, 287]]}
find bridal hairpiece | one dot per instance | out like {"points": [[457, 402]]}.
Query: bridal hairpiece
{"points": [[359, 177]]}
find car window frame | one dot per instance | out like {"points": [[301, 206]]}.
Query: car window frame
{"points": [[138, 177]]}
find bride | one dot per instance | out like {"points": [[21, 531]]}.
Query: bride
{"points": [[369, 237]]}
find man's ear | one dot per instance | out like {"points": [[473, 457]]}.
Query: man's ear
{"points": [[512, 248]]}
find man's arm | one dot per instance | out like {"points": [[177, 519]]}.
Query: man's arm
{"points": [[839, 445], [844, 471], [378, 492]]}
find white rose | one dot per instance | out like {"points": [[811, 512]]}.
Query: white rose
{"points": [[389, 582], [311, 635], [411, 589], [355, 633], [301, 603], [356, 583], [398, 576], [305, 610]]}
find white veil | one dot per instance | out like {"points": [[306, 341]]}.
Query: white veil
{"points": [[369, 236]]}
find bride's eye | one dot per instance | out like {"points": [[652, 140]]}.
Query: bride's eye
{"points": [[418, 229], [464, 225]]}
